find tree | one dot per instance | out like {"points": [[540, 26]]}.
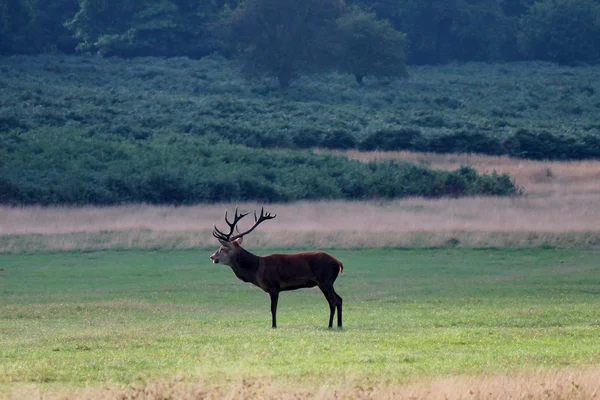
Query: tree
{"points": [[132, 28], [368, 46], [438, 31], [48, 31], [15, 19], [280, 38], [562, 31]]}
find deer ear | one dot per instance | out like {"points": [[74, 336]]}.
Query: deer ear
{"points": [[239, 240], [224, 243]]}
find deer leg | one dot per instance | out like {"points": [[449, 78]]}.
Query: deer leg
{"points": [[338, 303], [274, 299], [328, 292]]}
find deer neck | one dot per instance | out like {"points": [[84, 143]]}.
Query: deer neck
{"points": [[245, 265]]}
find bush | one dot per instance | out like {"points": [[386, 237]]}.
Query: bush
{"points": [[392, 139], [180, 169], [338, 139], [307, 138], [543, 145], [465, 142]]}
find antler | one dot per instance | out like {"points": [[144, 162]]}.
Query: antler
{"points": [[232, 225], [257, 221]]}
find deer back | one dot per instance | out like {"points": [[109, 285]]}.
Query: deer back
{"points": [[294, 271]]}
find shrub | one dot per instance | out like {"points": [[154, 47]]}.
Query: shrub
{"points": [[307, 138], [544, 145], [391, 139], [338, 139], [465, 142], [178, 169]]}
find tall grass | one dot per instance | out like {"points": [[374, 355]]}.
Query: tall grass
{"points": [[562, 221], [572, 384]]}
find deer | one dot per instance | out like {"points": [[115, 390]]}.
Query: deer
{"points": [[276, 273]]}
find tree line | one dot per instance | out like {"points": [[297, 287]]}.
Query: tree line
{"points": [[282, 38]]}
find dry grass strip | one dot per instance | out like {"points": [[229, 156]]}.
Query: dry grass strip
{"points": [[555, 221], [565, 384]]}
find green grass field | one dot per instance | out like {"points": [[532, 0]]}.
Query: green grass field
{"points": [[86, 319]]}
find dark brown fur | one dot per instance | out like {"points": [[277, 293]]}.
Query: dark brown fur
{"points": [[280, 272]]}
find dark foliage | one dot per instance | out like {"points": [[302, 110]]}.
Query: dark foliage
{"points": [[563, 31], [60, 167], [145, 28], [15, 18], [113, 99], [464, 142], [544, 145], [439, 31], [435, 31], [279, 38], [389, 140], [366, 46]]}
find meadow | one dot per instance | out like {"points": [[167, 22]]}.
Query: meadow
{"points": [[480, 297], [169, 324], [473, 297]]}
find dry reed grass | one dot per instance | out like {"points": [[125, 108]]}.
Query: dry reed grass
{"points": [[561, 221], [566, 384], [561, 209]]}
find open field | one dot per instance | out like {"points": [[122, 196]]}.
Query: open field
{"points": [[416, 321]]}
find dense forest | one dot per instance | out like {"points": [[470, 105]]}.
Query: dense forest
{"points": [[435, 31], [143, 101]]}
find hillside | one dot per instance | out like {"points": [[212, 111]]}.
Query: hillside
{"points": [[532, 110]]}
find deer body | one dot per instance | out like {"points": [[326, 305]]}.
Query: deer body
{"points": [[280, 272]]}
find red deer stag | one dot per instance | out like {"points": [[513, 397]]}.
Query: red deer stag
{"points": [[278, 272]]}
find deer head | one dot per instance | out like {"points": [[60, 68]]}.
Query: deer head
{"points": [[230, 245]]}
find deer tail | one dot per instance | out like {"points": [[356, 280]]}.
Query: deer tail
{"points": [[341, 266]]}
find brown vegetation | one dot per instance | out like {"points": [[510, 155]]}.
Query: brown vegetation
{"points": [[565, 384]]}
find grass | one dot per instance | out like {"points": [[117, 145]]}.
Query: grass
{"points": [[562, 221], [77, 320]]}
